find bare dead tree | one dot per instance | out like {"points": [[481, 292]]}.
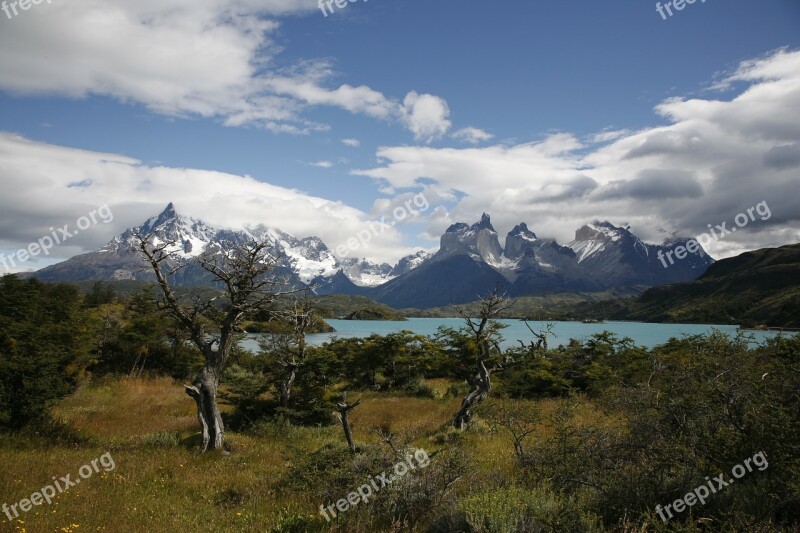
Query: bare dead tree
{"points": [[541, 336], [300, 318], [386, 436], [520, 418], [138, 364], [342, 409], [485, 331], [246, 275]]}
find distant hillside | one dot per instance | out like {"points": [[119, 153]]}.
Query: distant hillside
{"points": [[342, 305], [375, 313], [756, 288], [558, 306], [318, 325], [457, 279], [328, 306]]}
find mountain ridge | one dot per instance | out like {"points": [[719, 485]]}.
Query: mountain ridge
{"points": [[469, 262], [302, 260]]}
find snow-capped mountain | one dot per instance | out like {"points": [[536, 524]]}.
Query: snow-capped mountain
{"points": [[615, 256], [479, 241], [309, 258], [409, 263], [541, 265], [366, 273], [518, 241], [189, 237], [470, 262], [302, 261]]}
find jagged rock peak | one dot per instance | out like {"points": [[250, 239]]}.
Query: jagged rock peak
{"points": [[520, 241], [600, 229], [522, 230], [168, 213], [458, 227], [410, 262], [485, 223], [479, 241]]}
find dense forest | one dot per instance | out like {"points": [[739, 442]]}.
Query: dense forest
{"points": [[598, 435]]}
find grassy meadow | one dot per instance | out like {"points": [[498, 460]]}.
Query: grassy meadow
{"points": [[161, 483]]}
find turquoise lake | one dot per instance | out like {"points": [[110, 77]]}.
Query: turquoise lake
{"points": [[643, 334]]}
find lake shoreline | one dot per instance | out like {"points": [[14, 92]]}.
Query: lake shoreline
{"points": [[646, 334]]}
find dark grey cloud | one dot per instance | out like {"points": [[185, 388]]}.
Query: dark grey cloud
{"points": [[661, 143], [783, 157], [569, 189], [654, 184]]}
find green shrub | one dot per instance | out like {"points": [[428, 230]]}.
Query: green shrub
{"points": [[162, 439], [457, 390], [295, 521], [46, 346], [512, 509], [449, 435], [419, 388], [332, 471]]}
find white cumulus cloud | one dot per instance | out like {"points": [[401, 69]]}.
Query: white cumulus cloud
{"points": [[47, 186], [190, 58], [709, 161], [472, 135], [426, 116]]}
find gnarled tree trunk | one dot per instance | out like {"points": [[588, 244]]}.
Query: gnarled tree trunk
{"points": [[343, 408], [204, 393], [483, 385], [485, 331], [288, 382]]}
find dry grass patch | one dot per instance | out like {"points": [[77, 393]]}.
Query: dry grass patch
{"points": [[414, 417], [168, 486], [128, 407]]}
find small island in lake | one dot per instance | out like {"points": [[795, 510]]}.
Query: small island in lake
{"points": [[280, 327], [375, 313]]}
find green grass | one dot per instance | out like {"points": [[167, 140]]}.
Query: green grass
{"points": [[162, 484]]}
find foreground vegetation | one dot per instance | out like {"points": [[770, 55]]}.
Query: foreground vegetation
{"points": [[586, 437]]}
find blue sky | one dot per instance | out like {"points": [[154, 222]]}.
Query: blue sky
{"points": [[269, 89]]}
